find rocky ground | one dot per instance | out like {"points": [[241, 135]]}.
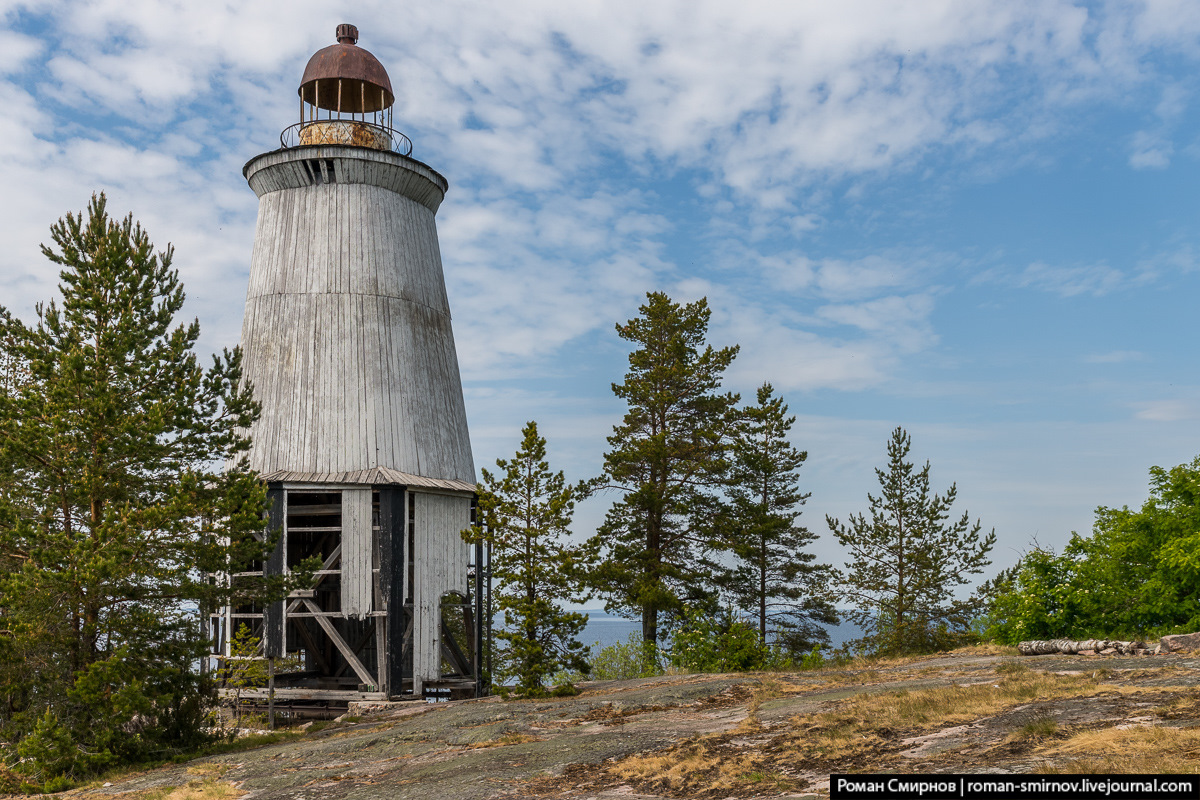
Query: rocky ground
{"points": [[733, 736]]}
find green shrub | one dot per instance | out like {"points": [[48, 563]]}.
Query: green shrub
{"points": [[48, 751], [633, 658], [717, 643]]}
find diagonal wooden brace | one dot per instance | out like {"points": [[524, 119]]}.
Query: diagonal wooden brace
{"points": [[340, 644]]}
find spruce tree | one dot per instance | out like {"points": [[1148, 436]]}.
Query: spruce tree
{"points": [[908, 559], [774, 576], [527, 512], [113, 508], [669, 459]]}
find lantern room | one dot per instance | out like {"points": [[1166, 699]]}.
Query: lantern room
{"points": [[346, 98]]}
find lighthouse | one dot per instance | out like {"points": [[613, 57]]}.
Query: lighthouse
{"points": [[362, 439]]}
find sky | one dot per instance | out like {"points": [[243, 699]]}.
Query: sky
{"points": [[977, 220]]}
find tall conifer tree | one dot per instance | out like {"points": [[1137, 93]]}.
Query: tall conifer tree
{"points": [[774, 576], [908, 558], [669, 458], [527, 513], [112, 506]]}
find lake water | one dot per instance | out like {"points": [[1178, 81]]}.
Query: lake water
{"points": [[608, 630]]}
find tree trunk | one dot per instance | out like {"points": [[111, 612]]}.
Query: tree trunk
{"points": [[650, 624]]}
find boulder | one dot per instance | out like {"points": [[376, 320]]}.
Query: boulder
{"points": [[1180, 641]]}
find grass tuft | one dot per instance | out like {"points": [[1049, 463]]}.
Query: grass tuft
{"points": [[506, 739], [194, 790], [1041, 728], [1153, 749], [948, 705]]}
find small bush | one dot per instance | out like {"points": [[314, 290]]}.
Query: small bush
{"points": [[717, 643], [633, 658], [10, 782], [49, 752]]}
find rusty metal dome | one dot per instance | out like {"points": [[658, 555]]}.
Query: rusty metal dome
{"points": [[345, 77]]}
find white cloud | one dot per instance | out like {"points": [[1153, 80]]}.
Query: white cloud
{"points": [[840, 279], [544, 115], [1098, 279], [1150, 151], [902, 320], [1167, 410], [16, 50], [1115, 357]]}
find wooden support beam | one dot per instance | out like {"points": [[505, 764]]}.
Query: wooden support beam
{"points": [[453, 653], [327, 566], [323, 510], [393, 518], [340, 644], [380, 624], [366, 637], [276, 565], [470, 639], [300, 693]]}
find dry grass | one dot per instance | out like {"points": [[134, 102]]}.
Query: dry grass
{"points": [[985, 649], [766, 690], [209, 768], [949, 705], [194, 790], [848, 675], [856, 731], [1149, 749], [883, 662], [506, 739], [700, 766]]}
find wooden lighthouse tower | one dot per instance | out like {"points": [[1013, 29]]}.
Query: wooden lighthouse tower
{"points": [[363, 434]]}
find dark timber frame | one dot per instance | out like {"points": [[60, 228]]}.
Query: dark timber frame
{"points": [[349, 633]]}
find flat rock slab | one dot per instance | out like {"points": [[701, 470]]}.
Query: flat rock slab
{"points": [[574, 747]]}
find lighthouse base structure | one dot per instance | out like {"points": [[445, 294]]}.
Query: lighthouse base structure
{"points": [[370, 625]]}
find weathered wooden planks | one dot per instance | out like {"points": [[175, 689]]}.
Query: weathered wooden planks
{"points": [[273, 616], [347, 335], [316, 383], [357, 542], [442, 556], [375, 476], [299, 167]]}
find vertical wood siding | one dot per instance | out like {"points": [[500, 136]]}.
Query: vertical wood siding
{"points": [[347, 334], [441, 567], [357, 544]]}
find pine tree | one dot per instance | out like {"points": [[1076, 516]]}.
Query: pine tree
{"points": [[112, 508], [527, 512], [669, 458], [774, 576], [909, 558]]}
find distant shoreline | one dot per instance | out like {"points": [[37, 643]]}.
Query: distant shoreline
{"points": [[609, 629]]}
